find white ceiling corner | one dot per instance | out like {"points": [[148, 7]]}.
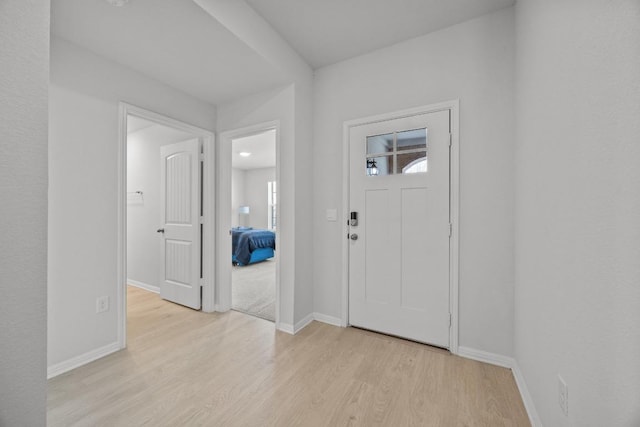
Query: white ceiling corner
{"points": [[134, 124], [181, 45], [137, 127], [175, 42], [328, 31]]}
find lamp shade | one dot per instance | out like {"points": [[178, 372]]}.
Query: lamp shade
{"points": [[243, 210]]}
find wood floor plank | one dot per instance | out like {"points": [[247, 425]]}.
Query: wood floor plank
{"points": [[183, 367]]}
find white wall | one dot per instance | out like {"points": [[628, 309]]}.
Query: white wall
{"points": [[255, 190], [24, 61], [84, 95], [261, 108], [143, 213], [237, 194], [304, 165], [284, 105], [296, 141], [473, 62], [577, 295]]}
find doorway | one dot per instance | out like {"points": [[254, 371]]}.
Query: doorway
{"points": [[163, 211], [165, 217], [254, 213], [247, 264], [401, 246]]}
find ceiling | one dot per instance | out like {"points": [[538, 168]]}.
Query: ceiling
{"points": [[262, 147], [173, 41], [134, 124], [178, 43], [324, 32], [155, 131]]}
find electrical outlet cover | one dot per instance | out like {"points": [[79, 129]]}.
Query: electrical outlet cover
{"points": [[102, 304], [563, 395]]}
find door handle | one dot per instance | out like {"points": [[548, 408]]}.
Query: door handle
{"points": [[354, 236], [160, 230]]}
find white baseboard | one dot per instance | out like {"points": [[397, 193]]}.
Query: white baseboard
{"points": [[335, 321], [511, 363], [294, 329], [145, 286], [534, 418], [486, 357], [302, 323], [221, 308], [285, 327], [83, 359]]}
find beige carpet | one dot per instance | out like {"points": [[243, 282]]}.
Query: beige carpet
{"points": [[254, 289]]}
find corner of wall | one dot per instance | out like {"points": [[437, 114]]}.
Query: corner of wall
{"points": [[24, 61]]}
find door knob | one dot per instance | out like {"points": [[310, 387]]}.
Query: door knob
{"points": [[160, 230], [354, 236]]}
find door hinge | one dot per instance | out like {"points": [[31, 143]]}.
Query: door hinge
{"points": [[450, 139], [201, 220], [450, 319], [450, 229], [201, 157]]}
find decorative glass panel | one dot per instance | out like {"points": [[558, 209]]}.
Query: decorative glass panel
{"points": [[412, 140], [412, 163], [379, 144], [402, 152], [381, 165]]}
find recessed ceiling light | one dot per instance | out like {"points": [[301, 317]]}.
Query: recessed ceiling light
{"points": [[245, 153], [118, 3]]}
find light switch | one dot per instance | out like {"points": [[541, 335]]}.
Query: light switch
{"points": [[332, 214]]}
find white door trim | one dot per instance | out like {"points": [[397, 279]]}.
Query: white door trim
{"points": [[454, 205], [208, 141], [223, 252]]}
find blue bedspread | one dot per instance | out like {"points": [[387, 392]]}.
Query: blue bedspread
{"points": [[246, 240]]}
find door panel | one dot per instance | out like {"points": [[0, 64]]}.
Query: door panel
{"points": [[178, 187], [377, 271], [178, 256], [180, 207], [399, 263], [413, 251]]}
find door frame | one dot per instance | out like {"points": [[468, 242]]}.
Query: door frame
{"points": [[223, 243], [209, 204], [454, 204]]}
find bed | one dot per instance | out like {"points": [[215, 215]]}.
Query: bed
{"points": [[251, 245]]}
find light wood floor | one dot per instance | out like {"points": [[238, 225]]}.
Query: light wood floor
{"points": [[184, 367]]}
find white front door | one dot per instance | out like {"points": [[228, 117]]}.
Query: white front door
{"points": [[181, 233], [399, 249]]}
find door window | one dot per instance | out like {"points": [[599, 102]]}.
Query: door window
{"points": [[403, 152]]}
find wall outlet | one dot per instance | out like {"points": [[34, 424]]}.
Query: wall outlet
{"points": [[563, 396], [102, 304]]}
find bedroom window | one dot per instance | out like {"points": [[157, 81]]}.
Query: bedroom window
{"points": [[272, 205], [402, 152]]}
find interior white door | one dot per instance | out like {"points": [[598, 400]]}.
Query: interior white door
{"points": [[399, 250], [180, 218]]}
